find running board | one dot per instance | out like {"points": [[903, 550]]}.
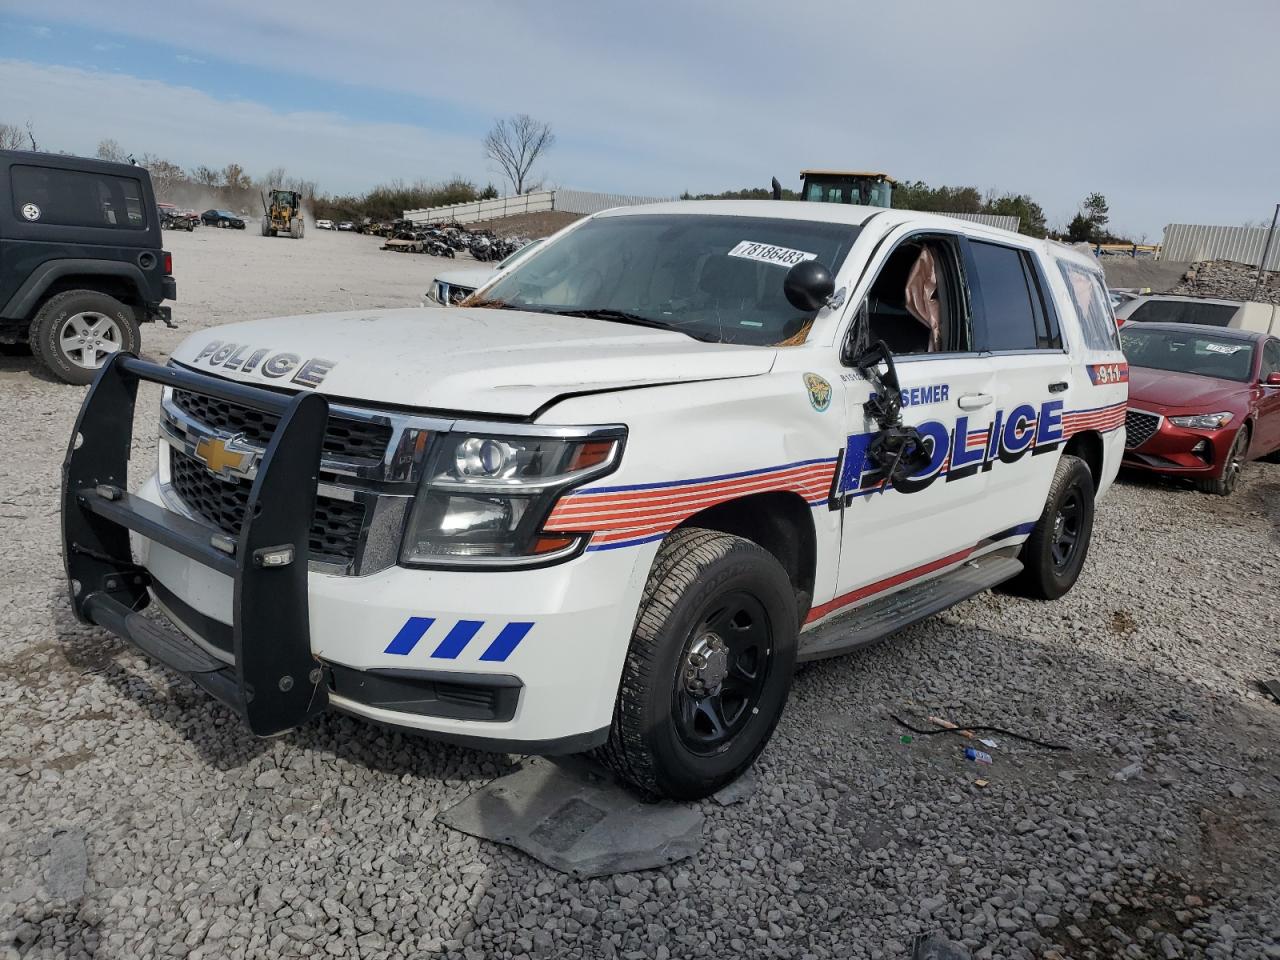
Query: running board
{"points": [[880, 618]]}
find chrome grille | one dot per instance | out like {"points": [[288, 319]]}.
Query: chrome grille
{"points": [[343, 437], [335, 526], [1139, 427]]}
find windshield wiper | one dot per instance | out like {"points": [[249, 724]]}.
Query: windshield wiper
{"points": [[619, 316]]}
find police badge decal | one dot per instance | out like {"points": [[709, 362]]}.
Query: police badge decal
{"points": [[819, 391]]}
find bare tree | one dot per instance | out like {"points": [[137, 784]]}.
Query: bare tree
{"points": [[12, 137], [109, 149], [235, 178], [515, 144], [31, 135], [206, 176]]}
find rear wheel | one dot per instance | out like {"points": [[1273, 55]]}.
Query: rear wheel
{"points": [[708, 669], [1229, 476], [1054, 554], [76, 331]]}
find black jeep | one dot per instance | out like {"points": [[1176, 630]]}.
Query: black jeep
{"points": [[81, 264]]}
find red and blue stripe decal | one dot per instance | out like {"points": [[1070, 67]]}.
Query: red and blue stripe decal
{"points": [[1105, 374], [457, 639], [624, 516]]}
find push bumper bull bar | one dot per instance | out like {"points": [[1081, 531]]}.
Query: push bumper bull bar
{"points": [[275, 682]]}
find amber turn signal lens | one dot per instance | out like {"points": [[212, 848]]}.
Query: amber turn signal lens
{"points": [[591, 454]]}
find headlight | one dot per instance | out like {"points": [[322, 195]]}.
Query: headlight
{"points": [[484, 497], [1202, 421]]}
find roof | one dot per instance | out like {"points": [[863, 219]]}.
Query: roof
{"points": [[1185, 299], [1229, 333], [847, 173]]}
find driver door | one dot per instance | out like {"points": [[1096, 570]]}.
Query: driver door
{"points": [[897, 533]]}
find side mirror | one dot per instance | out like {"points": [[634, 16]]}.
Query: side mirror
{"points": [[1272, 379], [808, 286]]}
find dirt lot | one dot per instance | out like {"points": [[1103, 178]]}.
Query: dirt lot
{"points": [[138, 820]]}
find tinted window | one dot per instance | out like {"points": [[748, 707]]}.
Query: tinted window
{"points": [[76, 198], [1093, 306], [1008, 299], [1207, 354], [1180, 311], [1184, 311]]}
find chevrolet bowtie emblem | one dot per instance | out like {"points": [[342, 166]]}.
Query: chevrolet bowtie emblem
{"points": [[218, 455]]}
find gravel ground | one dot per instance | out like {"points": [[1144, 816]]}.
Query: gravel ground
{"points": [[138, 820]]}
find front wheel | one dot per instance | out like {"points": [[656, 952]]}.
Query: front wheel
{"points": [[708, 669], [1054, 554], [1225, 482]]}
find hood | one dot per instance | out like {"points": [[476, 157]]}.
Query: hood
{"points": [[467, 276], [503, 362], [1182, 391]]}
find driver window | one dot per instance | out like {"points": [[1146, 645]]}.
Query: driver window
{"points": [[914, 305]]}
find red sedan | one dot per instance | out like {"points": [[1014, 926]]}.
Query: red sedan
{"points": [[1202, 400]]}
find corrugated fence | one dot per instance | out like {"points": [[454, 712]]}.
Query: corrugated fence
{"points": [[475, 210], [988, 219], [582, 201], [1196, 241]]}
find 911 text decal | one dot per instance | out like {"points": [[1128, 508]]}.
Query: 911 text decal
{"points": [[240, 356]]}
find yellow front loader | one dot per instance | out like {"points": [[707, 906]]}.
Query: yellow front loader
{"points": [[283, 215]]}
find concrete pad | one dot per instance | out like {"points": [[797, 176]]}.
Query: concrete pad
{"points": [[573, 817]]}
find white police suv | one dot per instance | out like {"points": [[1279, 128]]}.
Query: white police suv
{"points": [[673, 451]]}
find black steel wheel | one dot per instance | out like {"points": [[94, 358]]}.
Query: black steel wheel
{"points": [[708, 669], [724, 667], [1054, 554]]}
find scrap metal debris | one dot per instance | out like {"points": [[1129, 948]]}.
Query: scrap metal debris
{"points": [[576, 819]]}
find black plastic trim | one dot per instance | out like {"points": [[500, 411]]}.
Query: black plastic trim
{"points": [[429, 693]]}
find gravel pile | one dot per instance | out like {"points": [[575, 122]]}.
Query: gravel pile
{"points": [[139, 820], [1227, 280]]}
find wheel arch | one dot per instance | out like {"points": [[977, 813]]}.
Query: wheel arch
{"points": [[780, 522], [1088, 446], [118, 279]]}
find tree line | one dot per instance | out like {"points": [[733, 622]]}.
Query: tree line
{"points": [[1090, 224]]}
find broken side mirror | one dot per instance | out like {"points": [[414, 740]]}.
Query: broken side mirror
{"points": [[808, 286]]}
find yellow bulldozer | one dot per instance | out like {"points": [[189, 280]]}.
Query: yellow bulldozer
{"points": [[282, 217]]}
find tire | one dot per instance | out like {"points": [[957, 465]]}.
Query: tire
{"points": [[681, 729], [1229, 477], [1051, 565], [59, 326], [266, 226]]}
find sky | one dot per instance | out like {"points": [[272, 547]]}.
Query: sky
{"points": [[1168, 108]]}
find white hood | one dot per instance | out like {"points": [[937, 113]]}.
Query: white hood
{"points": [[502, 362]]}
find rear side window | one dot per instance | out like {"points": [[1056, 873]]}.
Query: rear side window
{"points": [[1270, 358], [1015, 312], [1184, 311], [77, 198], [1093, 307]]}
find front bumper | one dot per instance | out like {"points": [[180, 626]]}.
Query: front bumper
{"points": [[524, 661], [1181, 451]]}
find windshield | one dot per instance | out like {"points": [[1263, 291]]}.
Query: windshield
{"points": [[1184, 311], [1205, 354], [714, 278]]}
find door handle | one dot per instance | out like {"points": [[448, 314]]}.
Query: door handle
{"points": [[974, 401], [1058, 387]]}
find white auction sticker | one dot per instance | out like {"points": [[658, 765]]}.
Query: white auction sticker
{"points": [[768, 253], [1223, 348]]}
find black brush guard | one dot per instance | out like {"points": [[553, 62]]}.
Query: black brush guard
{"points": [[275, 683]]}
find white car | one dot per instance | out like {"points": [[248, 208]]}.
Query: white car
{"points": [[453, 286], [1172, 308], [324, 225], [683, 447]]}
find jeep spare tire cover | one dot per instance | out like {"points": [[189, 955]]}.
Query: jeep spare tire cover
{"points": [[30, 211]]}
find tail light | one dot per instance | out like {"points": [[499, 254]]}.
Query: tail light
{"points": [[168, 263]]}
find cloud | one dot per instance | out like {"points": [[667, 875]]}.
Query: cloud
{"points": [[41, 31], [1055, 100], [108, 46], [74, 108], [185, 58]]}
